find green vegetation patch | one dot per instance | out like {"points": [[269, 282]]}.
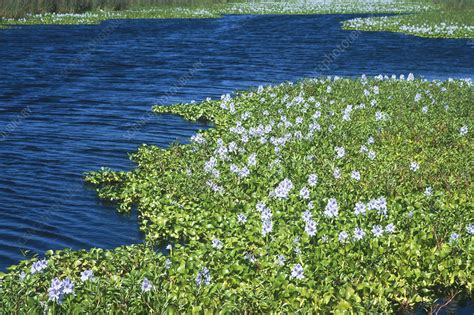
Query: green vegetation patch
{"points": [[326, 195], [443, 19], [214, 10]]}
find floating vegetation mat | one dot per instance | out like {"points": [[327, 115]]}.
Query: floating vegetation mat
{"points": [[328, 195]]}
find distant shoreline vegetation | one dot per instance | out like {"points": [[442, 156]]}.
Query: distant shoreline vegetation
{"points": [[441, 19]]}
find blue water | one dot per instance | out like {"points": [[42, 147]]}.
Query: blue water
{"points": [[75, 98]]}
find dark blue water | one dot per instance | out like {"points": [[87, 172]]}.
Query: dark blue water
{"points": [[75, 98]]}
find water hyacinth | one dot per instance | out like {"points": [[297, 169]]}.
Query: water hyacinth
{"points": [[332, 208], [39, 266], [86, 275], [59, 289], [414, 166], [217, 244], [146, 285], [203, 277], [377, 230], [297, 272], [290, 211], [358, 234]]}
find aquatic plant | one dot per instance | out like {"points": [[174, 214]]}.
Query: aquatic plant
{"points": [[287, 234]]}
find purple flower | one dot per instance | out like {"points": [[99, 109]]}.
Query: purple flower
{"points": [[203, 277], [146, 285], [297, 272], [86, 275]]}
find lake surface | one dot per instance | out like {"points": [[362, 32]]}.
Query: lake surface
{"points": [[75, 98]]}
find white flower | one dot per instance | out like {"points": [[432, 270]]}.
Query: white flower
{"points": [[414, 166], [217, 244], [355, 175], [371, 155], [428, 191], [379, 116], [340, 152], [242, 218]]}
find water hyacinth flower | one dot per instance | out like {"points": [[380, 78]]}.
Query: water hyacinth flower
{"points": [[198, 138], [86, 275], [217, 244], [428, 191], [390, 228], [379, 116], [307, 216], [297, 272], [414, 166], [283, 189], [360, 208], [267, 227], [39, 266], [59, 289], [146, 285], [252, 159], [463, 130], [377, 230], [470, 229], [168, 263], [332, 208], [22, 275], [454, 237], [312, 180], [281, 260], [311, 228], [203, 277], [337, 173], [358, 234], [304, 193], [241, 218], [355, 175], [371, 155], [343, 236], [340, 152]]}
